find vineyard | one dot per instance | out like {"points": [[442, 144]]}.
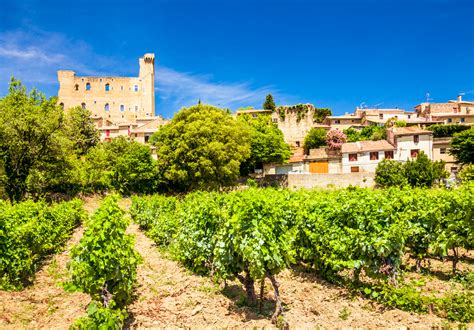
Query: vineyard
{"points": [[241, 259]]}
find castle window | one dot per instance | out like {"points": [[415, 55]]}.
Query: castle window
{"points": [[88, 87], [61, 105], [107, 87], [76, 87], [83, 105], [122, 107], [135, 88], [106, 107]]}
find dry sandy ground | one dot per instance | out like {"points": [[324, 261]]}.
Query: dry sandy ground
{"points": [[45, 304]]}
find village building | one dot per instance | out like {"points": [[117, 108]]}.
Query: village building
{"points": [[410, 141], [452, 112], [364, 156], [441, 148]]}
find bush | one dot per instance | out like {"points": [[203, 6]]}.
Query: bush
{"points": [[467, 173], [29, 232], [390, 173], [315, 138], [462, 146]]}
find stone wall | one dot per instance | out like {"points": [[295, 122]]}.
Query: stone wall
{"points": [[330, 180]]}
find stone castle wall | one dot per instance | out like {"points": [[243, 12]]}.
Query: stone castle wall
{"points": [[117, 99]]}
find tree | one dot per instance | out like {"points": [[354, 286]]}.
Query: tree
{"points": [[422, 172], [462, 146], [467, 173], [335, 139], [202, 148], [267, 144], [269, 103], [30, 137], [320, 114], [81, 130], [124, 165], [315, 138], [390, 173]]}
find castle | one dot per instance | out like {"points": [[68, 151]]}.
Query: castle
{"points": [[119, 105]]}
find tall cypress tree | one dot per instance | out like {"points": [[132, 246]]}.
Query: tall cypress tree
{"points": [[269, 103]]}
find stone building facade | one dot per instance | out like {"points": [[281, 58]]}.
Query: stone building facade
{"points": [[115, 99]]}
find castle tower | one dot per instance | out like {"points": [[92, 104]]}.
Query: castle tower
{"points": [[147, 79]]}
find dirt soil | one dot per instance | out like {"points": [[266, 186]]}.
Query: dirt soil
{"points": [[45, 304]]}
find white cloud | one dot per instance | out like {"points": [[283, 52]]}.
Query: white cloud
{"points": [[178, 89]]}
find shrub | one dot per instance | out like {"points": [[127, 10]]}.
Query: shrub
{"points": [[315, 138], [462, 146], [422, 172], [30, 231], [335, 139], [467, 173], [390, 173]]}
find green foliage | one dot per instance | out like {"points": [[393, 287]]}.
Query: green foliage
{"points": [[442, 130], [202, 148], [319, 114], [267, 144], [269, 103], [99, 317], [255, 233], [31, 138], [420, 172], [390, 173], [368, 133], [335, 139], [467, 173], [400, 123], [104, 263], [29, 232], [315, 138], [462, 146], [80, 128], [121, 164]]}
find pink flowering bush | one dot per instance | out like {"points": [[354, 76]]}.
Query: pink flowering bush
{"points": [[335, 138]]}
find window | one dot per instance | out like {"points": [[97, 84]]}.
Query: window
{"points": [[107, 133], [121, 88], [389, 154], [147, 137], [354, 169], [462, 120], [454, 169], [374, 155], [135, 88], [442, 150], [88, 87], [450, 120], [136, 108], [352, 157], [297, 143], [107, 87], [414, 153], [275, 120], [100, 79], [122, 107], [83, 105], [76, 87], [380, 115], [416, 138], [106, 107], [337, 121], [409, 116]]}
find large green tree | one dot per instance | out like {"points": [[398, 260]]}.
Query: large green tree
{"points": [[315, 138], [267, 144], [202, 148], [80, 129], [121, 164], [269, 103], [462, 146], [31, 137]]}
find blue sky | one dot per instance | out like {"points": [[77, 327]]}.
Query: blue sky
{"points": [[335, 54]]}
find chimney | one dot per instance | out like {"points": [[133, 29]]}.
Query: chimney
{"points": [[459, 98]]}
